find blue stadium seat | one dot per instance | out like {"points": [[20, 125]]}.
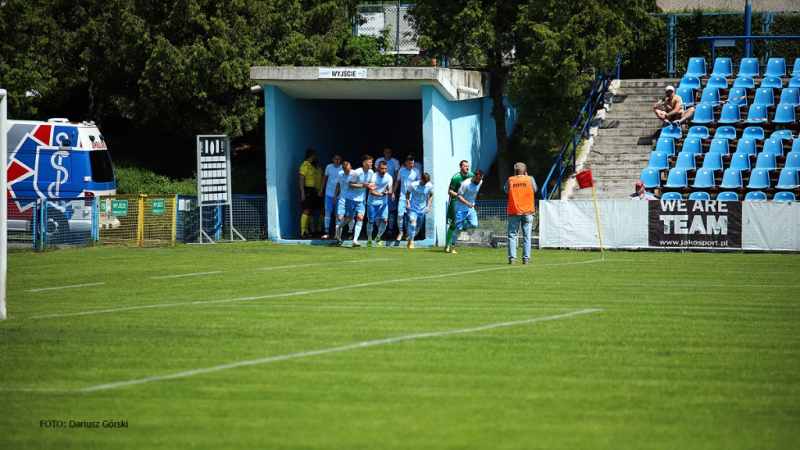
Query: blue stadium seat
{"points": [[794, 82], [749, 67], [676, 179], [776, 67], [671, 196], [687, 96], [784, 135], [728, 197], [759, 179], [766, 161], [772, 147], [723, 67], [747, 147], [671, 131], [686, 160], [712, 161], [731, 179], [740, 161], [790, 96], [704, 179], [792, 160], [725, 132], [691, 82], [753, 132], [730, 114], [692, 145], [658, 160], [755, 196], [772, 82], [696, 67], [796, 145], [703, 114], [698, 131], [788, 179], [764, 96], [717, 83], [737, 96], [710, 95], [783, 197], [651, 178], [744, 82], [757, 114], [719, 146], [784, 114], [666, 145], [796, 68], [699, 196]]}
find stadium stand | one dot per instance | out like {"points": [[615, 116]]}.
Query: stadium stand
{"points": [[671, 196], [776, 67], [704, 179], [725, 132], [744, 82], [700, 195], [753, 132], [759, 179], [697, 67]]}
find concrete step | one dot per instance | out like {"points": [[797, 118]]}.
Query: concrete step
{"points": [[603, 166], [621, 141]]}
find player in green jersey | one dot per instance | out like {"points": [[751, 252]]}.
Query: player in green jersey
{"points": [[455, 183]]}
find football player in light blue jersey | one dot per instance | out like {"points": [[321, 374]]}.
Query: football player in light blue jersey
{"points": [[418, 203], [379, 195], [405, 176], [356, 196], [466, 217], [342, 186], [329, 180], [393, 165]]}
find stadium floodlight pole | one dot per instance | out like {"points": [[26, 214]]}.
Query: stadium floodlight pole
{"points": [[4, 209]]}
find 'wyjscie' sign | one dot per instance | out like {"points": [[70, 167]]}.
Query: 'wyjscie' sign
{"points": [[342, 72], [695, 223]]}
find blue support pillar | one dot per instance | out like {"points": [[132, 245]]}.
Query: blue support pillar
{"points": [[672, 46], [748, 43]]}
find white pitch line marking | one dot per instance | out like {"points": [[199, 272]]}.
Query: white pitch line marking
{"points": [[187, 274], [65, 287], [369, 260], [271, 359], [288, 267], [314, 291]]}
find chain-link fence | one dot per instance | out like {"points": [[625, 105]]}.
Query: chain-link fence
{"points": [[34, 224], [394, 19], [492, 228], [249, 214], [137, 220]]}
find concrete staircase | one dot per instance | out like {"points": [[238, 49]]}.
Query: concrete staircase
{"points": [[626, 134]]}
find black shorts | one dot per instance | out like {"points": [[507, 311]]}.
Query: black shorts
{"points": [[312, 200]]}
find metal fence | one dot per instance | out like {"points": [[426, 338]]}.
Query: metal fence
{"points": [[393, 18], [492, 228], [249, 218], [158, 221], [137, 220], [34, 223]]}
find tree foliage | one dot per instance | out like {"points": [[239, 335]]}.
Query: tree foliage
{"points": [[159, 72], [548, 50]]}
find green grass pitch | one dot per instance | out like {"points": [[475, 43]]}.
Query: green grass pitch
{"points": [[258, 345]]}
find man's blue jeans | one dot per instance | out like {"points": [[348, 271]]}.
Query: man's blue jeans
{"points": [[514, 221]]}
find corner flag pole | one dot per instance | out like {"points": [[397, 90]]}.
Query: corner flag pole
{"points": [[585, 180], [597, 214]]}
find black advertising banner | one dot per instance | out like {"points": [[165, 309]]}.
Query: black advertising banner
{"points": [[695, 224]]}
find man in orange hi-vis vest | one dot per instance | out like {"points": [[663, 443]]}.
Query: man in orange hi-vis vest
{"points": [[521, 208]]}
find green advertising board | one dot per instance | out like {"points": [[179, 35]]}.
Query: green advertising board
{"points": [[158, 207], [119, 207]]}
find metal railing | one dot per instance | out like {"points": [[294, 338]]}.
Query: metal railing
{"points": [[565, 162], [746, 40]]}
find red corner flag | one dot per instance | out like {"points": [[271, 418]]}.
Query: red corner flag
{"points": [[585, 179]]}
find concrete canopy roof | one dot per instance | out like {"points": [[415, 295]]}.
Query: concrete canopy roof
{"points": [[380, 83]]}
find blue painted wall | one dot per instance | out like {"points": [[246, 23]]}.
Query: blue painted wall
{"points": [[441, 133]]}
